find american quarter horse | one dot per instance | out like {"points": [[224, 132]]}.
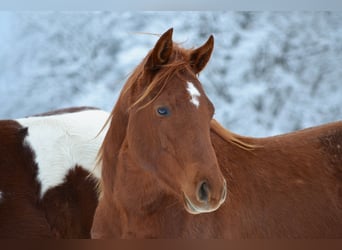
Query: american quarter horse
{"points": [[48, 179], [170, 171], [158, 163]]}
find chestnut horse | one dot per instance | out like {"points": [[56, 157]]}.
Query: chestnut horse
{"points": [[161, 177], [157, 153], [48, 186]]}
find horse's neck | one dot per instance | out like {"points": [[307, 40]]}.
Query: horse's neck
{"points": [[140, 201], [129, 176]]}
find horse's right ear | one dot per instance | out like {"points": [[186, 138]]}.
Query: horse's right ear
{"points": [[161, 52]]}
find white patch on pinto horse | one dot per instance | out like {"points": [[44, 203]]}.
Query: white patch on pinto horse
{"points": [[194, 94], [59, 142]]}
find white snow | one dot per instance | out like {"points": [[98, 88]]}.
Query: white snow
{"points": [[270, 72]]}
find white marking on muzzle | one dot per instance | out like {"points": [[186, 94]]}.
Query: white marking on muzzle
{"points": [[193, 209], [194, 94]]}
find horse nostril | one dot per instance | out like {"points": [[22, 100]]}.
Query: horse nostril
{"points": [[203, 192]]}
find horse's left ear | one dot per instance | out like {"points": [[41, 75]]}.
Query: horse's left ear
{"points": [[200, 56], [161, 52]]}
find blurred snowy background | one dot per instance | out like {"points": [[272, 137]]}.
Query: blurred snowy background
{"points": [[270, 73]]}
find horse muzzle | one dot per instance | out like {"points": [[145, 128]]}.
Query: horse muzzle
{"points": [[205, 202]]}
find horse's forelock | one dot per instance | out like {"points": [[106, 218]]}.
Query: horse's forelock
{"points": [[178, 62]]}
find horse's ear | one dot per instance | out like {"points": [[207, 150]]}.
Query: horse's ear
{"points": [[161, 51], [200, 56]]}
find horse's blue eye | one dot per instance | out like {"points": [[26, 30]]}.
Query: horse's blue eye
{"points": [[163, 111]]}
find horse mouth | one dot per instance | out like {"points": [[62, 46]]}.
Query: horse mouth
{"points": [[193, 209]]}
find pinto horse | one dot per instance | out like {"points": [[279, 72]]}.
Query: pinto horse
{"points": [[170, 171], [48, 180]]}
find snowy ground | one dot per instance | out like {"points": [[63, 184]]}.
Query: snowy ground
{"points": [[270, 72]]}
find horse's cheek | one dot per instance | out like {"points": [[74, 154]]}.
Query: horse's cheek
{"points": [[166, 144]]}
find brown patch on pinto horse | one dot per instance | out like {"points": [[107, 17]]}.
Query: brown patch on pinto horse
{"points": [[64, 211], [21, 213], [70, 206]]}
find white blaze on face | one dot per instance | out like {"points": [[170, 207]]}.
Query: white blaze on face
{"points": [[194, 94]]}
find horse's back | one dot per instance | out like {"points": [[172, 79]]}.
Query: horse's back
{"points": [[318, 147], [288, 185]]}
